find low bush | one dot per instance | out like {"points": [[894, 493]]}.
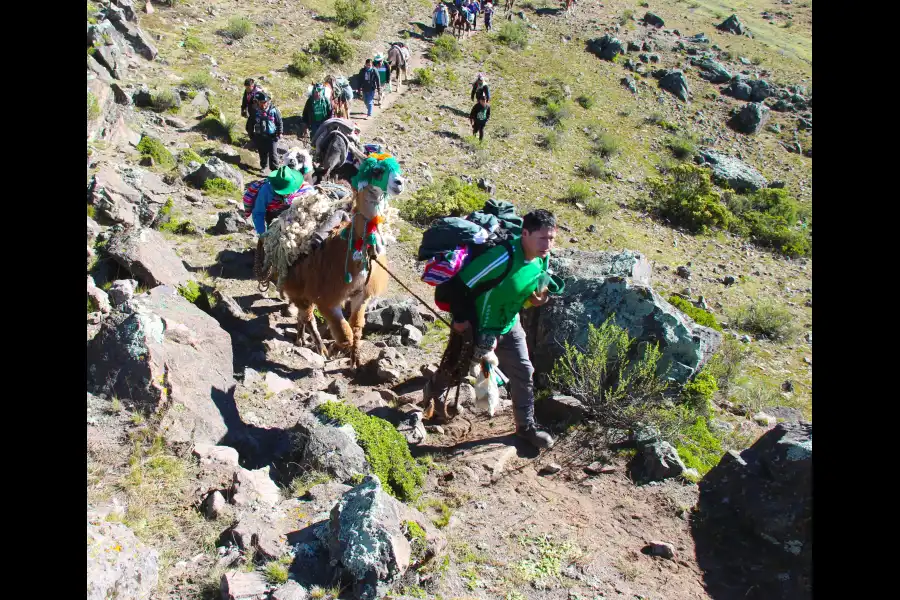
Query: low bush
{"points": [[683, 147], [155, 149], [766, 319], [554, 113], [193, 43], [333, 46], [93, 107], [352, 13], [238, 28], [514, 35], [220, 126], [725, 364], [598, 207], [219, 187], [686, 198], [607, 145], [387, 451], [163, 100], [597, 169], [700, 316], [187, 156], [425, 76], [552, 140], [444, 49], [301, 64], [449, 196], [585, 101], [579, 192], [772, 219], [200, 80]]}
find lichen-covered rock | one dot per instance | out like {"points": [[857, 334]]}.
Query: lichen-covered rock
{"points": [[157, 349], [215, 168], [367, 537], [659, 461], [751, 118], [606, 47], [653, 19], [749, 90], [127, 195], [330, 449], [732, 172], [733, 25], [147, 256], [712, 71], [118, 564], [599, 284], [122, 290], [675, 82]]}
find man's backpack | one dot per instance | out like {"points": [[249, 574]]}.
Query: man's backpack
{"points": [[277, 204], [265, 122]]}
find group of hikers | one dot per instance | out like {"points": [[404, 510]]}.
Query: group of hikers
{"points": [[485, 293], [462, 16]]}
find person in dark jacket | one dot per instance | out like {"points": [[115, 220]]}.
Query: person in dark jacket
{"points": [[480, 89], [267, 130], [248, 103], [371, 83], [479, 116], [317, 109]]}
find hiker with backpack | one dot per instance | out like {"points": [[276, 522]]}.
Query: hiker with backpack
{"points": [[371, 83], [267, 130], [488, 15], [317, 109], [480, 89], [474, 9], [485, 297], [440, 18], [479, 116], [384, 75]]}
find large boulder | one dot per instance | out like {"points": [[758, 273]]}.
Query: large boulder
{"points": [[331, 449], [749, 90], [147, 256], [712, 71], [732, 25], [391, 316], [127, 195], [732, 172], [215, 168], [765, 490], [675, 82], [599, 284], [653, 19], [367, 537], [136, 37], [118, 564], [160, 350], [751, 118], [606, 47]]}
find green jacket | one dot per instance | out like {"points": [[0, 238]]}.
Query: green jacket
{"points": [[497, 309]]}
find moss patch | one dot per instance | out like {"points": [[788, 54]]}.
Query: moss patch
{"points": [[219, 187], [385, 448], [152, 147], [700, 316], [190, 291]]}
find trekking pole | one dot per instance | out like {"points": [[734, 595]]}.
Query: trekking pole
{"points": [[416, 296]]}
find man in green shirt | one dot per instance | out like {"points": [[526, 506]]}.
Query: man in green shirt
{"points": [[493, 314]]}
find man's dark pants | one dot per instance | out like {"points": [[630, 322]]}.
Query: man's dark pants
{"points": [[265, 144]]}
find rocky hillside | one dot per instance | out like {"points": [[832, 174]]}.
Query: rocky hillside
{"points": [[226, 461]]}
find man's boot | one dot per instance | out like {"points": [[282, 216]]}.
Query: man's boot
{"points": [[536, 437]]}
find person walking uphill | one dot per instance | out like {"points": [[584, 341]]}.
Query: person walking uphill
{"points": [[440, 18], [317, 109], [370, 84], [267, 130], [480, 88], [479, 116], [248, 102], [492, 315]]}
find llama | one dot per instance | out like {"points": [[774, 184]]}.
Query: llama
{"points": [[398, 60]]}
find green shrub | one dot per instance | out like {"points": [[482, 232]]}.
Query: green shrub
{"points": [[682, 147], [700, 316], [187, 156], [91, 211], [333, 46], [93, 107], [220, 126], [698, 392], [238, 27], [193, 43], [219, 187], [200, 80], [597, 170], [551, 140], [686, 198], [163, 100], [766, 319], [352, 13], [425, 76], [725, 364], [614, 376], [579, 191], [417, 539], [660, 120], [276, 571], [626, 17], [769, 216], [152, 147], [300, 485], [607, 145], [301, 64], [190, 291], [756, 60], [598, 207], [698, 447], [514, 35], [585, 101], [554, 113], [386, 449], [447, 197], [444, 49]]}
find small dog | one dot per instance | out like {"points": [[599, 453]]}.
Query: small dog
{"points": [[299, 160]]}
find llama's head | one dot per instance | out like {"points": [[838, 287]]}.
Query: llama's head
{"points": [[299, 160], [370, 201], [382, 171]]}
